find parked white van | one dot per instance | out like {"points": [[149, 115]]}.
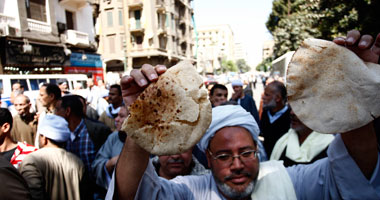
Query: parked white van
{"points": [[32, 82]]}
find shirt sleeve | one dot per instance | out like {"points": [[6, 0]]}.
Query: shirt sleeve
{"points": [[335, 177], [98, 166], [154, 187]]}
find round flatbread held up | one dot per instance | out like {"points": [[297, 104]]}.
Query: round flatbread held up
{"points": [[331, 89], [171, 115]]}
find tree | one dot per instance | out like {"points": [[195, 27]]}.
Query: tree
{"points": [[265, 65], [242, 66], [299, 22], [292, 21], [227, 66]]}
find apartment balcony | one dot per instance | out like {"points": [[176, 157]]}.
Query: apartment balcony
{"points": [[137, 47], [135, 4], [136, 27], [76, 38], [35, 25], [73, 3]]}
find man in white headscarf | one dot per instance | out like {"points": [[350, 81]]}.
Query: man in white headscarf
{"points": [[351, 171], [52, 172]]}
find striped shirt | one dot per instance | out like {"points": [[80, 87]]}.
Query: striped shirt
{"points": [[22, 150]]}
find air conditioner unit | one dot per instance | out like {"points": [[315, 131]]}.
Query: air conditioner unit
{"points": [[7, 30]]}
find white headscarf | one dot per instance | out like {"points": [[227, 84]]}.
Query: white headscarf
{"points": [[55, 128], [225, 116]]}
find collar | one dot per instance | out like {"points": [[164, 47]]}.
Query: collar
{"points": [[277, 115], [77, 130], [112, 112]]}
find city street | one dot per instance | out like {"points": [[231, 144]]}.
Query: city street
{"points": [[256, 92]]}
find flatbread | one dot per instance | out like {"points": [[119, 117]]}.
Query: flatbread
{"points": [[171, 115], [331, 89]]}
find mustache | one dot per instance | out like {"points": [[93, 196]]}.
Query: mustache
{"points": [[235, 174], [176, 161]]}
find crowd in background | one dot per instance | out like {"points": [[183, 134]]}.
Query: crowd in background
{"points": [[65, 145]]}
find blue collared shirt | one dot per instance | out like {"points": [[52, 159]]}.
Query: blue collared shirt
{"points": [[277, 114], [81, 145]]}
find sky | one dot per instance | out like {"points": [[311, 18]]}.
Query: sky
{"points": [[246, 17]]}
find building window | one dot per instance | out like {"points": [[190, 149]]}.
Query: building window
{"points": [[167, 19], [36, 9], [111, 44], [109, 19], [69, 20], [120, 17]]}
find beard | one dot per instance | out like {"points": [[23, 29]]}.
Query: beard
{"points": [[270, 105], [232, 193]]}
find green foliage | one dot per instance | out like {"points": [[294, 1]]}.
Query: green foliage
{"points": [[242, 66], [227, 66], [265, 65], [292, 21]]}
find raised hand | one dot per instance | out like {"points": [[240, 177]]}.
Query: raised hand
{"points": [[134, 84], [364, 46]]}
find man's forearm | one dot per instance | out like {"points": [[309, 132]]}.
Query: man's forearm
{"points": [[130, 168], [361, 144]]}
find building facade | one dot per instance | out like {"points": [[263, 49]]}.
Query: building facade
{"points": [[47, 37], [268, 46], [214, 43], [135, 32]]}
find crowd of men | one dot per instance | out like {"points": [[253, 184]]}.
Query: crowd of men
{"points": [[68, 146]]}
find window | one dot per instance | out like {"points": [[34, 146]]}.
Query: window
{"points": [[53, 80], [34, 83], [167, 19], [109, 19], [139, 39], [111, 44], [69, 20], [137, 14], [36, 9], [22, 81], [120, 17]]}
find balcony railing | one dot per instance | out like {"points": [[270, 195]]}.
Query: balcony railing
{"points": [[136, 26], [77, 38], [39, 26]]}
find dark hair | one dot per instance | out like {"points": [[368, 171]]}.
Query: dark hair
{"points": [[217, 86], [117, 87], [73, 102], [5, 117], [280, 87], [53, 89]]}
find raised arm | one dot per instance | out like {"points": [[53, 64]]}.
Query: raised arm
{"points": [[133, 160], [361, 143]]}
